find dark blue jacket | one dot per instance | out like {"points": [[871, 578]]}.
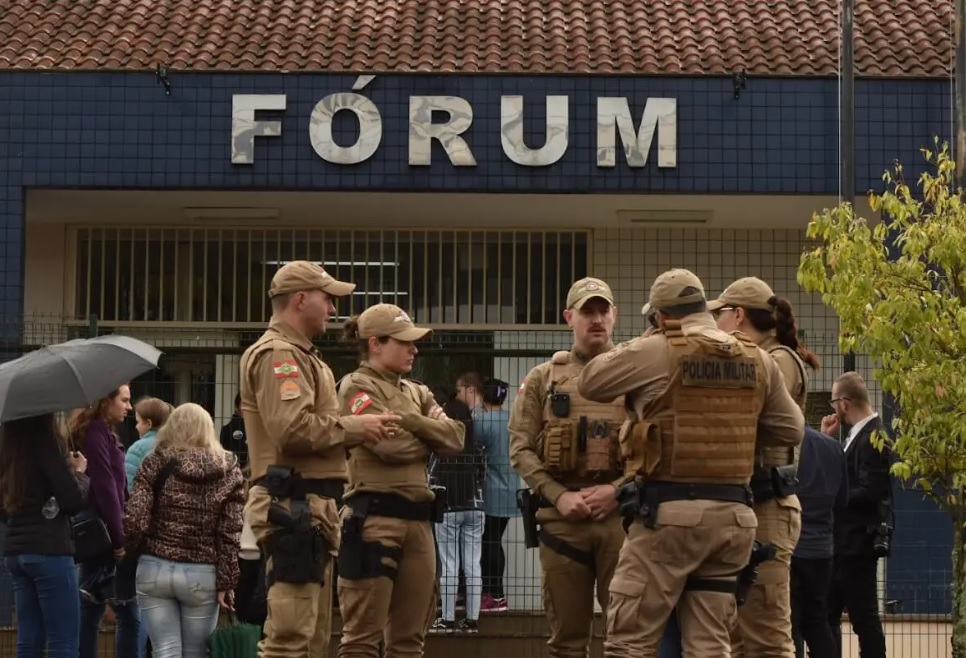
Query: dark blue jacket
{"points": [[823, 490]]}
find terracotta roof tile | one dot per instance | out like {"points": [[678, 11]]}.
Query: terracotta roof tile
{"points": [[698, 37]]}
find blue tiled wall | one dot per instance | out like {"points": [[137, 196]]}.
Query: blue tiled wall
{"points": [[121, 131]]}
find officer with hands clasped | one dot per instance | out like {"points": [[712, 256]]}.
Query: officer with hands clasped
{"points": [[387, 564], [565, 447], [296, 443], [700, 399]]}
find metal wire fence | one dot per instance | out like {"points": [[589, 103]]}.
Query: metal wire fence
{"points": [[201, 365]]}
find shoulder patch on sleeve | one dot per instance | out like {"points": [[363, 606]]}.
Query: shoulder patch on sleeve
{"points": [[359, 403], [523, 385], [289, 390], [286, 368]]}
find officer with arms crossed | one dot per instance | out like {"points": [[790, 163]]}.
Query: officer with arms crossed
{"points": [[701, 400], [296, 445], [565, 448], [764, 628], [387, 564]]}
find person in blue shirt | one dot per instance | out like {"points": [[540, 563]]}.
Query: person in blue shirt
{"points": [[151, 414], [486, 396]]}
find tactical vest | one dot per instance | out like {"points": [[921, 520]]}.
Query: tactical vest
{"points": [[769, 456], [580, 446], [703, 427]]}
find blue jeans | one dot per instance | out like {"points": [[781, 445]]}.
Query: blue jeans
{"points": [[127, 617], [143, 639], [48, 610], [180, 606], [461, 535], [671, 646]]}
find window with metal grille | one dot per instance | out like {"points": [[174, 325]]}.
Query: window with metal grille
{"points": [[454, 278]]}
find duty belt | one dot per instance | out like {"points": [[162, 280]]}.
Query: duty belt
{"points": [[774, 482], [555, 544], [761, 487], [322, 487], [392, 505], [665, 492], [643, 499]]}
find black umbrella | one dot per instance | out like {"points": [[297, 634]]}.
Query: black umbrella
{"points": [[69, 375]]}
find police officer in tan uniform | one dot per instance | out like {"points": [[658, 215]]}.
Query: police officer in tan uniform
{"points": [[565, 447], [387, 565], [764, 628], [700, 400], [296, 444]]}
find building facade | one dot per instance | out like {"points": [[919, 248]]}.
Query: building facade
{"points": [[468, 164]]}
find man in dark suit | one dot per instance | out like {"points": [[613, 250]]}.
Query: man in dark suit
{"points": [[863, 530], [823, 490]]}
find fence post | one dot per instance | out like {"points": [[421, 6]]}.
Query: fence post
{"points": [[91, 326]]}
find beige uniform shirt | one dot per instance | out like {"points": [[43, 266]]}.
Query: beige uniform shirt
{"points": [[791, 371], [526, 425], [797, 386], [639, 369], [290, 407], [399, 464]]}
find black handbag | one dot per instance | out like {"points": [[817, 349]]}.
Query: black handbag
{"points": [[91, 539]]}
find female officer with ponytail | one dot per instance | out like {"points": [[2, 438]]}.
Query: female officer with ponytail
{"points": [[764, 622], [387, 560]]}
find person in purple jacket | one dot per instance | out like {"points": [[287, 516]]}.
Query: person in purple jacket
{"points": [[108, 580]]}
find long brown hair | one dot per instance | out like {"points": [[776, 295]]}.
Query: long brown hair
{"points": [[782, 320], [18, 447], [80, 421]]}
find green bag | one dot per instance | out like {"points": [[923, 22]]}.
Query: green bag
{"points": [[233, 639]]}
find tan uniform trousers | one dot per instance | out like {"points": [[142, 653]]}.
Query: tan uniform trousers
{"points": [[299, 621], [764, 628], [568, 585], [698, 538], [399, 612]]}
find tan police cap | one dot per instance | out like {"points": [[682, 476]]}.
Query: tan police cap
{"points": [[389, 320], [588, 288], [303, 275], [670, 289], [749, 292]]}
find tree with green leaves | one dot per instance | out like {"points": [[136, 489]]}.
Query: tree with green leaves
{"points": [[899, 289]]}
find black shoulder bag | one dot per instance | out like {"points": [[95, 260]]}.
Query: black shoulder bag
{"points": [[91, 539]]}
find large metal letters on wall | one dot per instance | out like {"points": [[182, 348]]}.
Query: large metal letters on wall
{"points": [[615, 125]]}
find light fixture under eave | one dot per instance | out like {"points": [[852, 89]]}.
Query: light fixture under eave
{"points": [[668, 217], [332, 263], [230, 212]]}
